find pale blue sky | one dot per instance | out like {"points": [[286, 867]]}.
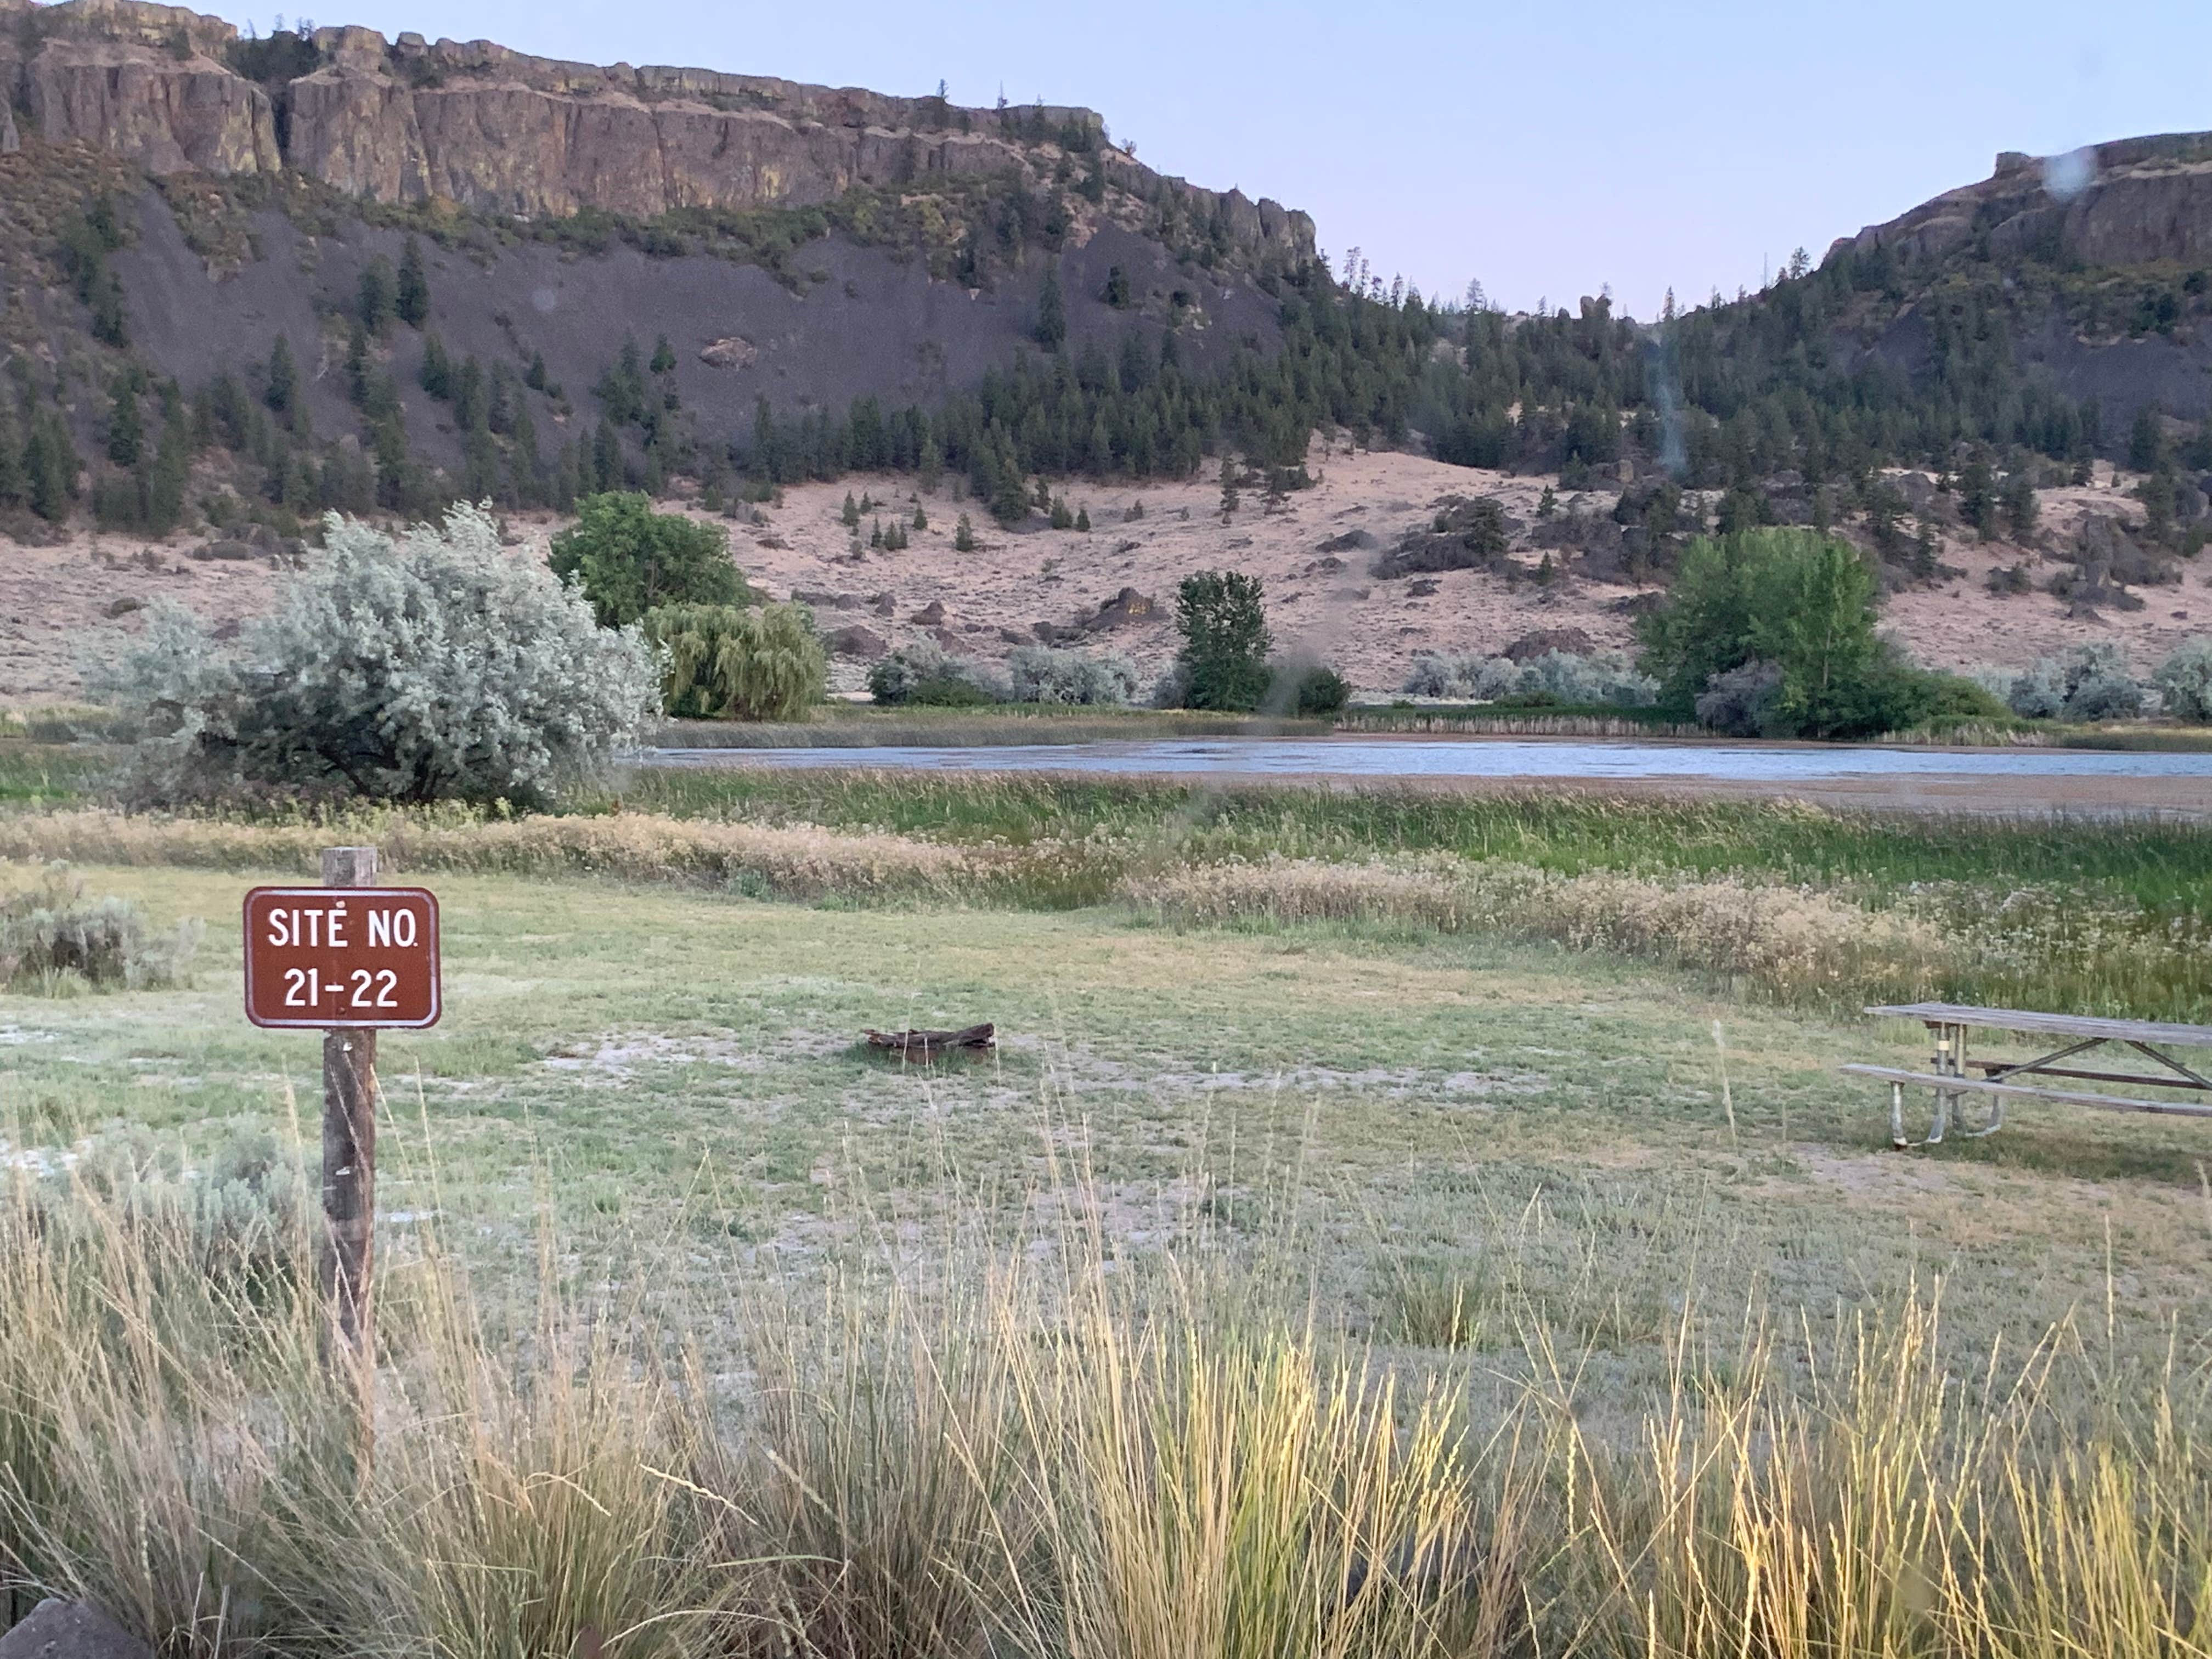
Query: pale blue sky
{"points": [[1545, 148]]}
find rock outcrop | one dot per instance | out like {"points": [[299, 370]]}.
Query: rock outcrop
{"points": [[500, 131], [2134, 202]]}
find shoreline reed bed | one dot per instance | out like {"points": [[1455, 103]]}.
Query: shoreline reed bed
{"points": [[922, 728], [1065, 1452], [1534, 724], [1819, 933]]}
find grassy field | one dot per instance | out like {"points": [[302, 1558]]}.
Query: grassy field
{"points": [[1469, 1230], [1394, 1223]]}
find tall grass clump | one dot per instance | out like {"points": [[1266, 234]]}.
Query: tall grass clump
{"points": [[1056, 1445]]}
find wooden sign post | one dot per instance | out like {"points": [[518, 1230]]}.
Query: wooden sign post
{"points": [[350, 961]]}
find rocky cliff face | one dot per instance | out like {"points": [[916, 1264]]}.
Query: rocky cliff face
{"points": [[2136, 202], [498, 131]]}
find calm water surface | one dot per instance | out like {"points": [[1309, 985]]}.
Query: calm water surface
{"points": [[1492, 757]]}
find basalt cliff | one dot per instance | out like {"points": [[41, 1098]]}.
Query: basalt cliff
{"points": [[499, 132]]}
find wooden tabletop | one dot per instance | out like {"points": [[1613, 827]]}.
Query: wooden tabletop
{"points": [[2069, 1025]]}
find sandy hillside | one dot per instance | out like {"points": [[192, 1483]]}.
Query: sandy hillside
{"points": [[1314, 554]]}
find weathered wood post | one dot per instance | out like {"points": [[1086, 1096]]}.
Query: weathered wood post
{"points": [[349, 1100], [346, 959]]}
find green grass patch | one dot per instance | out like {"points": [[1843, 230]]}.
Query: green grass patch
{"points": [[861, 726]]}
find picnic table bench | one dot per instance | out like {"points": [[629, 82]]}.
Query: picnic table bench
{"points": [[1947, 1073]]}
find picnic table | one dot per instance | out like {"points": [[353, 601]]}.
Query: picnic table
{"points": [[1948, 1023]]}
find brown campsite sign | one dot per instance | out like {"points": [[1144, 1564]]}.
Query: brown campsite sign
{"points": [[334, 957]]}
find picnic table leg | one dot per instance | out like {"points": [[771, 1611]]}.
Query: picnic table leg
{"points": [[1944, 1066], [1897, 1139]]}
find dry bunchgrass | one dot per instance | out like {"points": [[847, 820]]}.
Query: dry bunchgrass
{"points": [[1059, 1452], [797, 861], [1794, 942]]}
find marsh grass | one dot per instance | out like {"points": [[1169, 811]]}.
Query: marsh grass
{"points": [[1050, 1444], [1781, 901], [848, 726]]}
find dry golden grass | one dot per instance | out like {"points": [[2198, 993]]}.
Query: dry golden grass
{"points": [[1793, 941], [800, 861], [1065, 1450]]}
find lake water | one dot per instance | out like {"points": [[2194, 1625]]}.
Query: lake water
{"points": [[1494, 757]]}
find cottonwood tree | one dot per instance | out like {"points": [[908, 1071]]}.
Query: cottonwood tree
{"points": [[628, 559]]}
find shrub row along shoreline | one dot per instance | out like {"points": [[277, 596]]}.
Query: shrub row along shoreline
{"points": [[1832, 943]]}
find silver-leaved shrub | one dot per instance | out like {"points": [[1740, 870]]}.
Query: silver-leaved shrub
{"points": [[434, 665]]}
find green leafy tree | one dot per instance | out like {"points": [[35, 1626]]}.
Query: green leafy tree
{"points": [[411, 298], [727, 662], [1794, 611], [629, 559], [1223, 620]]}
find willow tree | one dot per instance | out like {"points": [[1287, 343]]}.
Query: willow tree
{"points": [[722, 662]]}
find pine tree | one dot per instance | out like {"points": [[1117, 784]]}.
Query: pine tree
{"points": [[1229, 496], [2020, 509], [1117, 288], [664, 355], [373, 301], [435, 376], [606, 469], [2146, 441], [1977, 502], [50, 468], [535, 378], [469, 397], [125, 432], [1051, 314], [11, 458], [523, 465], [1082, 519], [412, 300], [171, 474], [920, 518], [283, 382], [849, 514], [931, 466], [963, 536]]}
